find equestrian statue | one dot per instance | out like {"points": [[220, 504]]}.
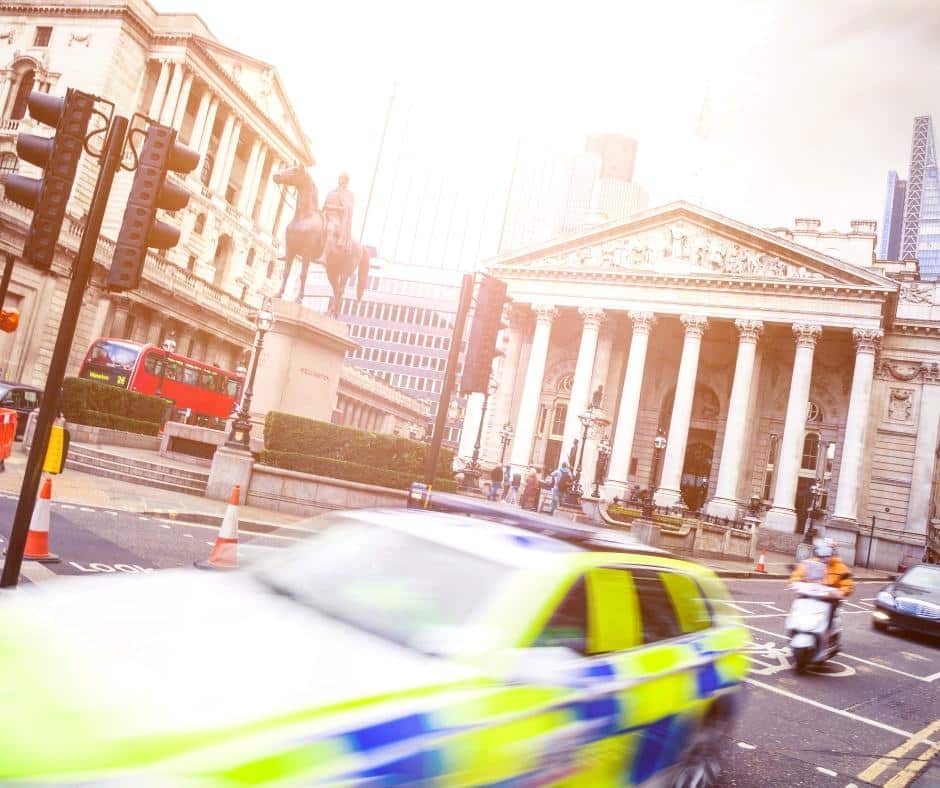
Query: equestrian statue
{"points": [[323, 236]]}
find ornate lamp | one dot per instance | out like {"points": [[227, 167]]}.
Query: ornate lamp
{"points": [[600, 469], [240, 436], [505, 437]]}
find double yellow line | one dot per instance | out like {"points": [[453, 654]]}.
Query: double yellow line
{"points": [[910, 771]]}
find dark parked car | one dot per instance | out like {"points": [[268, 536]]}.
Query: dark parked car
{"points": [[912, 602], [21, 398]]}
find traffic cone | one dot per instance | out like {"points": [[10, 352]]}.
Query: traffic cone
{"points": [[761, 563], [37, 540], [224, 553]]}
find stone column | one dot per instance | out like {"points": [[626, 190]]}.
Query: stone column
{"points": [[583, 372], [725, 503], [925, 456], [601, 368], [782, 515], [221, 154], [183, 101], [256, 185], [247, 192], [118, 328], [159, 92], [230, 160], [199, 122], [205, 138], [532, 388], [271, 194], [856, 423], [172, 94], [669, 493], [619, 466], [156, 328]]}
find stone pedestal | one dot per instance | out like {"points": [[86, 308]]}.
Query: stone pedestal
{"points": [[845, 533], [229, 467], [300, 363]]}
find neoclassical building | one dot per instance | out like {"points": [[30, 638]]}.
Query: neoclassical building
{"points": [[772, 362], [230, 107]]}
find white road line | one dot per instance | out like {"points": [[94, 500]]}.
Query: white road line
{"points": [[827, 772], [164, 525], [778, 615], [144, 519], [66, 506], [85, 509], [738, 607], [847, 714], [188, 536], [772, 607], [916, 657], [745, 746]]}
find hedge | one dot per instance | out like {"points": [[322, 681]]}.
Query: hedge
{"points": [[284, 432], [91, 402], [350, 471]]}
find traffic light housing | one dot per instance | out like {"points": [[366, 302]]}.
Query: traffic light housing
{"points": [[481, 346], [9, 320], [150, 192], [58, 156]]}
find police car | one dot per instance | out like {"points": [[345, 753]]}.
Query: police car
{"points": [[395, 647]]}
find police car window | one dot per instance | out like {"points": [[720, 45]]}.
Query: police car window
{"points": [[688, 601], [567, 626], [656, 609]]}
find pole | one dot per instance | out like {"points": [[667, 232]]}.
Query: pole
{"points": [[378, 161], [476, 445], [7, 275], [871, 538], [450, 377], [49, 410]]}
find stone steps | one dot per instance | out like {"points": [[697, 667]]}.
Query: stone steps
{"points": [[148, 474]]}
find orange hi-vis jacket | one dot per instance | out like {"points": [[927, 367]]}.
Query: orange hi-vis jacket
{"points": [[838, 575]]}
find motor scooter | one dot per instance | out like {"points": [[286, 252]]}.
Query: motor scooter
{"points": [[812, 640]]}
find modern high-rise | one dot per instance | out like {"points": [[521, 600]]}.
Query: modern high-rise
{"points": [[920, 222], [889, 247]]}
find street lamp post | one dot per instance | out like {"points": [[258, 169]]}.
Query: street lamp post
{"points": [[239, 437], [817, 491], [474, 462], [600, 469], [659, 446], [505, 438], [591, 418]]}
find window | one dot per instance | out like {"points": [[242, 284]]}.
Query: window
{"points": [[43, 36], [191, 263], [769, 473], [810, 451], [558, 418], [190, 375], [567, 626], [688, 601], [543, 415], [200, 224], [8, 163], [657, 613]]}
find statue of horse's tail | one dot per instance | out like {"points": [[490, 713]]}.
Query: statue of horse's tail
{"points": [[362, 274]]}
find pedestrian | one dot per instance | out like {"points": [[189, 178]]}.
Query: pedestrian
{"points": [[561, 482], [531, 491], [496, 482], [512, 496]]}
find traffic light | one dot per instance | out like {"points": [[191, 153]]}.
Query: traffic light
{"points": [[481, 346], [9, 321], [58, 156], [150, 191]]}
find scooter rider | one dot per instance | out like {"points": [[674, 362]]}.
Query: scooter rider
{"points": [[825, 567]]}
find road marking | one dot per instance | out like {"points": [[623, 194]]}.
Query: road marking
{"points": [[847, 714], [745, 746], [144, 519], [110, 568], [875, 770], [66, 506], [164, 525], [85, 509], [188, 536], [909, 772], [113, 514], [772, 607], [827, 772], [916, 657]]}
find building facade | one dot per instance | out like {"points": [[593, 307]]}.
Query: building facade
{"points": [[230, 107], [889, 246], [771, 361]]}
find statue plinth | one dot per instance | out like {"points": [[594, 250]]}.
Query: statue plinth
{"points": [[300, 364]]}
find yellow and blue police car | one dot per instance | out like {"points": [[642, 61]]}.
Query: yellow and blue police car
{"points": [[396, 647]]}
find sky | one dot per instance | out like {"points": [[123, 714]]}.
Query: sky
{"points": [[810, 102]]}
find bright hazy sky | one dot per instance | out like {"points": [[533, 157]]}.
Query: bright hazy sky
{"points": [[811, 101]]}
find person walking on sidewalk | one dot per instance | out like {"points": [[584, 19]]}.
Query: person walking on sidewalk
{"points": [[561, 482], [496, 482], [531, 491], [512, 496]]}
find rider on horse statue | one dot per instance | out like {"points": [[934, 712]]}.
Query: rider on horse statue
{"points": [[340, 202]]}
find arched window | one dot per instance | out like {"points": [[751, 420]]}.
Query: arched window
{"points": [[8, 162], [26, 81], [810, 451]]}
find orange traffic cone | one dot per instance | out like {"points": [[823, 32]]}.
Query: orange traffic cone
{"points": [[37, 540], [224, 553], [761, 563]]}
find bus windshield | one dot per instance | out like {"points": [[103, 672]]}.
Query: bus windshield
{"points": [[111, 362]]}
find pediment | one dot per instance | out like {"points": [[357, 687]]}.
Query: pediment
{"points": [[685, 241]]}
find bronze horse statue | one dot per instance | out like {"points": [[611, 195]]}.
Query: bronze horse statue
{"points": [[315, 237]]}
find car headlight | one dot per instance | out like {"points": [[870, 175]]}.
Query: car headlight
{"points": [[885, 597]]}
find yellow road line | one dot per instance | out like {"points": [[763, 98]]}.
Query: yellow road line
{"points": [[875, 770], [909, 772]]}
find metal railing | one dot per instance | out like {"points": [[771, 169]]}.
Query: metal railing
{"points": [[650, 510]]}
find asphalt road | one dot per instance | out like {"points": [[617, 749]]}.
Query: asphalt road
{"points": [[864, 720]]}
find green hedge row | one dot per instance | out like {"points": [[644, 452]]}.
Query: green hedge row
{"points": [[81, 396], [95, 418], [350, 471], [294, 434]]}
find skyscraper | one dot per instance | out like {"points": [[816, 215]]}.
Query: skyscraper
{"points": [[920, 231], [890, 246]]}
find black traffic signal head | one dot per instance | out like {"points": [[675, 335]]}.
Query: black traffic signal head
{"points": [[486, 325], [58, 156], [150, 191]]}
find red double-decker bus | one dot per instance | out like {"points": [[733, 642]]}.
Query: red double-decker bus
{"points": [[201, 394]]}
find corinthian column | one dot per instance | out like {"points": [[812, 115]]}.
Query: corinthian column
{"points": [[619, 466], [725, 503], [183, 101], [583, 370], [199, 122], [205, 135], [782, 515], [169, 106], [856, 423], [159, 92], [221, 153], [532, 388], [669, 493]]}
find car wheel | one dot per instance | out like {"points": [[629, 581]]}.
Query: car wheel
{"points": [[881, 626], [700, 767]]}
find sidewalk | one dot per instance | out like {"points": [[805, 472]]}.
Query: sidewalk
{"points": [[779, 567], [75, 487]]}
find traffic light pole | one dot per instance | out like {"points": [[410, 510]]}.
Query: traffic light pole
{"points": [[7, 274], [450, 376], [48, 411]]}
